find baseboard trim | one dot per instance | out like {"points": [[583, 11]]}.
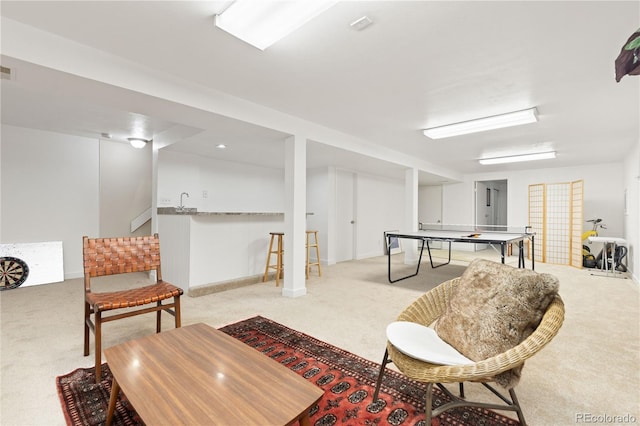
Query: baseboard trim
{"points": [[205, 289]]}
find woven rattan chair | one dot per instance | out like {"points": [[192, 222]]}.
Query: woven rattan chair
{"points": [[109, 256], [430, 306]]}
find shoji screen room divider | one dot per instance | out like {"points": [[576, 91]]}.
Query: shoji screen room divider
{"points": [[555, 215]]}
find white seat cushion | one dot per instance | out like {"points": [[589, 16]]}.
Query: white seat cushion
{"points": [[420, 342]]}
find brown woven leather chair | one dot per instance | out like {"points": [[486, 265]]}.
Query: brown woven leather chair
{"points": [[430, 306], [109, 256]]}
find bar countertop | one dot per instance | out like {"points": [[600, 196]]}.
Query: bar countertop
{"points": [[190, 211]]}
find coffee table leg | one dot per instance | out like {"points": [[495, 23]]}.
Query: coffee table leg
{"points": [[304, 419], [115, 388]]}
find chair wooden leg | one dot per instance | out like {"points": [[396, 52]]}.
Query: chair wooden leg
{"points": [[158, 317], [385, 361], [178, 318], [98, 339], [87, 317]]}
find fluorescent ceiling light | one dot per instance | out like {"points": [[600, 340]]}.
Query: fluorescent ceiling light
{"points": [[518, 158], [262, 23], [482, 124]]}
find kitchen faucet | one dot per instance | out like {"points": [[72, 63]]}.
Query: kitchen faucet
{"points": [[181, 206]]}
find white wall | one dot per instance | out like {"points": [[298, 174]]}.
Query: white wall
{"points": [[458, 206], [125, 188], [49, 190], [239, 187], [1, 180], [603, 194], [632, 214], [58, 187], [430, 204], [231, 187]]}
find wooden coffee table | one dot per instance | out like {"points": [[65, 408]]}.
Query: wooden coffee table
{"points": [[197, 375]]}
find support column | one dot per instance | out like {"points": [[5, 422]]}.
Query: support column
{"points": [[154, 187], [154, 199], [332, 237], [411, 215], [295, 216]]}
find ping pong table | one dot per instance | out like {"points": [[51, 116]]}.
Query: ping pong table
{"points": [[474, 237]]}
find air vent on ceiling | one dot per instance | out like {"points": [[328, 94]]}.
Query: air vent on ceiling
{"points": [[5, 73], [361, 23]]}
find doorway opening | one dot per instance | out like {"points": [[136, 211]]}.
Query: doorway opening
{"points": [[491, 205]]}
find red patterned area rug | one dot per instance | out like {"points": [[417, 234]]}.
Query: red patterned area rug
{"points": [[347, 379]]}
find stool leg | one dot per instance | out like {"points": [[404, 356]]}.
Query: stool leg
{"points": [[279, 265], [318, 254], [308, 266], [309, 245], [266, 268]]}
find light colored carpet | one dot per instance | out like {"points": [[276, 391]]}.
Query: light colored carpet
{"points": [[592, 368]]}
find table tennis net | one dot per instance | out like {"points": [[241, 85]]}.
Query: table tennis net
{"points": [[520, 229]]}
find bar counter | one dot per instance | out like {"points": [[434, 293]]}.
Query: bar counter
{"points": [[203, 252]]}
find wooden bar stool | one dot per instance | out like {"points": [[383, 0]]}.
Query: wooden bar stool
{"points": [[278, 266], [309, 246]]}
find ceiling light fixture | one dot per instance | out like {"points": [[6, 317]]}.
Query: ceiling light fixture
{"points": [[518, 158], [221, 146], [262, 23], [138, 142], [509, 119]]}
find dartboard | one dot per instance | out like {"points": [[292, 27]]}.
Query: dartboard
{"points": [[13, 272]]}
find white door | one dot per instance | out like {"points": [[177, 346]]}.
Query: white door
{"points": [[430, 209], [484, 210], [345, 216]]}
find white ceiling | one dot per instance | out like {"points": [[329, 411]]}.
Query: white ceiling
{"points": [[421, 64]]}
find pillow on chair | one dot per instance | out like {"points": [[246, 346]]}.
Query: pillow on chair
{"points": [[493, 309]]}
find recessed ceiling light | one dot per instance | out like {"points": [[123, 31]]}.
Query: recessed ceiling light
{"points": [[221, 146]]}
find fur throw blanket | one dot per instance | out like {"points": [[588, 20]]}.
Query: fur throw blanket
{"points": [[494, 308]]}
